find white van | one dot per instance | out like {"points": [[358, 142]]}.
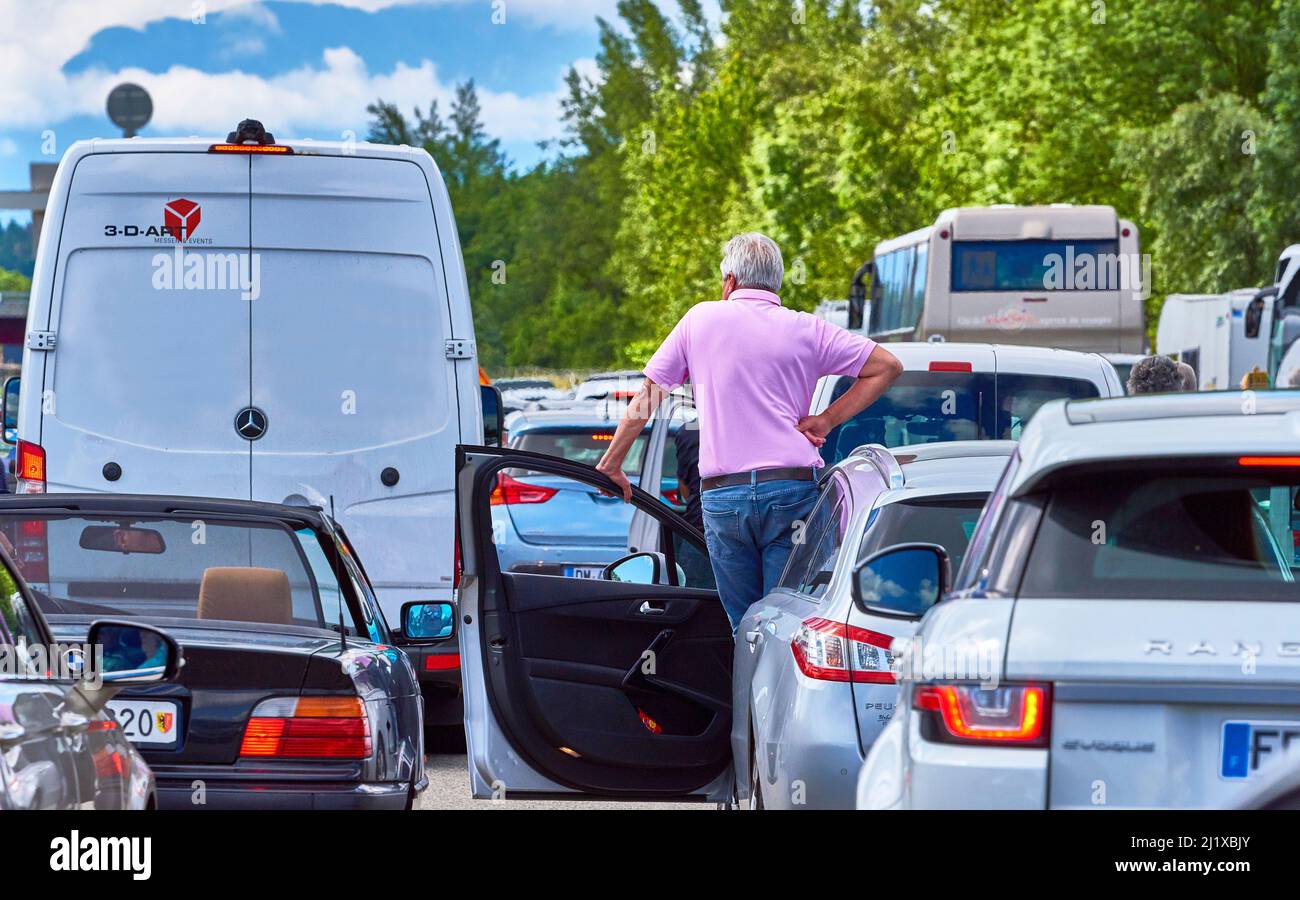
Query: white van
{"points": [[286, 322]]}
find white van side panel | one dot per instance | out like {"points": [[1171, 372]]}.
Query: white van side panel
{"points": [[349, 364], [149, 369]]}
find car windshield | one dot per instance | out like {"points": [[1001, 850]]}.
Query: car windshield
{"points": [[926, 407], [946, 521], [586, 446], [175, 568], [1187, 531]]}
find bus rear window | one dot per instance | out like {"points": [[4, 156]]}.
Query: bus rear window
{"points": [[1034, 265]]}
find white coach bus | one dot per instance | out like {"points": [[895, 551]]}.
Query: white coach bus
{"points": [[1058, 276]]}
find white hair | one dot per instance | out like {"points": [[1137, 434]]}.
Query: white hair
{"points": [[755, 260]]}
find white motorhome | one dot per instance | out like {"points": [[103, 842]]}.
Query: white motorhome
{"points": [[286, 322], [1226, 336], [1052, 276]]}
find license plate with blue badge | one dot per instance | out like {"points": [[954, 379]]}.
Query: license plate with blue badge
{"points": [[1248, 745]]}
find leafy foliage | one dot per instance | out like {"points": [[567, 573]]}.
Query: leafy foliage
{"points": [[832, 124]]}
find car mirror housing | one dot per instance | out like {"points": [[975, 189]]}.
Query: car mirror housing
{"points": [[133, 653], [492, 413], [638, 568], [902, 581]]}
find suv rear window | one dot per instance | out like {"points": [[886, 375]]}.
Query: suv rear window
{"points": [[1188, 531], [926, 407], [586, 446]]}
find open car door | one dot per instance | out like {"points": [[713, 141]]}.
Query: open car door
{"points": [[595, 686], [677, 409]]}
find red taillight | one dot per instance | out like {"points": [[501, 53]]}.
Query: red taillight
{"points": [[251, 148], [624, 395], [32, 550], [1278, 461], [833, 651], [509, 491], [673, 496], [441, 662], [953, 366], [1006, 714], [308, 728], [30, 468]]}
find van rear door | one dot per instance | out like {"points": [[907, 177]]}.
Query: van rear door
{"points": [[151, 362], [349, 362]]}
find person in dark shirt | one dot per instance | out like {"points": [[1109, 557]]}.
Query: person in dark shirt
{"points": [[687, 441]]}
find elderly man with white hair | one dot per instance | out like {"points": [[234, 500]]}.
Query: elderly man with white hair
{"points": [[753, 366]]}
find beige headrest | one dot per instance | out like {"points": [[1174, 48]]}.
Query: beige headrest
{"points": [[245, 594]]}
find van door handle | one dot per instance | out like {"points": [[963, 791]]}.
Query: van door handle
{"points": [[651, 608]]}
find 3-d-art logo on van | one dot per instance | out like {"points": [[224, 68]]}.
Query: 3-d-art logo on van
{"points": [[181, 218]]}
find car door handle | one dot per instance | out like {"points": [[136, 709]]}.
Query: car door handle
{"points": [[651, 608]]}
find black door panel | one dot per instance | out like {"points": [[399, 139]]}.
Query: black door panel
{"points": [[611, 688]]}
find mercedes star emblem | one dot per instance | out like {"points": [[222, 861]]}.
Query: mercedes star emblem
{"points": [[250, 423]]}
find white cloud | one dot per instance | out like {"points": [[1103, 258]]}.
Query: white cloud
{"points": [[332, 95]]}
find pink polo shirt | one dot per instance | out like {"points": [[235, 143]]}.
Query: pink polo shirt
{"points": [[753, 366]]}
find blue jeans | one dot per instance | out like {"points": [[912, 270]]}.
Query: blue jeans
{"points": [[750, 532]]}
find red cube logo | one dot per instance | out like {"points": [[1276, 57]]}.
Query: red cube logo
{"points": [[181, 218]]}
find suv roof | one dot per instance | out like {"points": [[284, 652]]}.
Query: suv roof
{"points": [[1067, 433]]}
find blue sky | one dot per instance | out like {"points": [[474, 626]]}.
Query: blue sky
{"points": [[304, 67]]}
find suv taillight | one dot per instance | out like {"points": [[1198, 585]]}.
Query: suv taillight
{"points": [[1014, 714], [833, 651], [308, 728], [30, 468]]}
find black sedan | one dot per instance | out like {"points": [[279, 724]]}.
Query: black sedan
{"points": [[293, 693]]}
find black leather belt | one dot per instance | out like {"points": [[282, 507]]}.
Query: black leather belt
{"points": [[790, 473]]}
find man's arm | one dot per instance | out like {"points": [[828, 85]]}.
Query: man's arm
{"points": [[638, 412], [878, 373]]}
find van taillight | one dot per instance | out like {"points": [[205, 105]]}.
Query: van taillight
{"points": [[30, 468], [308, 728], [969, 713], [32, 550], [833, 651]]}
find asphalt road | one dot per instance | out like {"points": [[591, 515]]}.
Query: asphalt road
{"points": [[449, 789]]}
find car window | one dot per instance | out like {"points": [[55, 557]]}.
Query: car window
{"points": [[171, 568], [1200, 532], [977, 547], [17, 623], [817, 542], [584, 446], [926, 407], [946, 521], [1020, 396]]}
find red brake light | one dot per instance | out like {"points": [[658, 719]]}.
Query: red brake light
{"points": [[308, 727], [31, 468], [833, 651], [673, 496], [250, 148], [624, 395], [509, 491], [1006, 714], [951, 367], [606, 436], [1279, 461], [441, 662]]}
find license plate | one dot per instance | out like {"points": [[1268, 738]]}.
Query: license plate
{"points": [[1246, 746], [152, 722], [583, 571]]}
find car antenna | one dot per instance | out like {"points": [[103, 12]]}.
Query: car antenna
{"points": [[338, 576]]}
